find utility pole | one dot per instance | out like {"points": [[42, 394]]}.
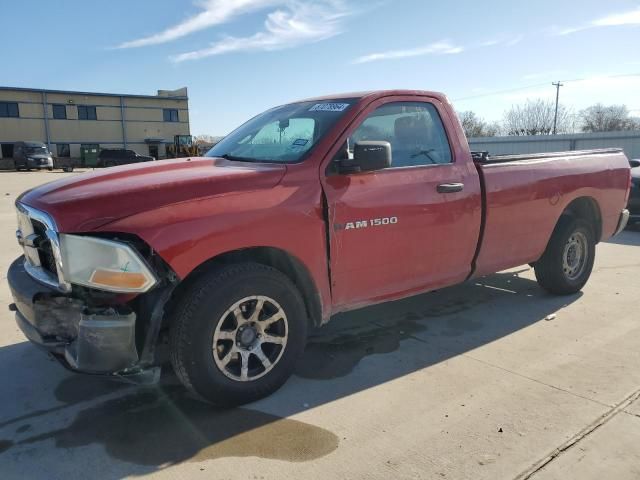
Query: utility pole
{"points": [[555, 117]]}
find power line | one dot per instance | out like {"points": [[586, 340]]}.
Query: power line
{"points": [[498, 92], [517, 89]]}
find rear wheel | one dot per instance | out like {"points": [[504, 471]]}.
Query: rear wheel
{"points": [[238, 333], [110, 163], [566, 264]]}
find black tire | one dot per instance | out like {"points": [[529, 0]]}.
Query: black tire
{"points": [[202, 308], [67, 169], [552, 272], [110, 163], [50, 169]]}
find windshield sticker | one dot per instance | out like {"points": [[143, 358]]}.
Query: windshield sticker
{"points": [[329, 107], [300, 142]]}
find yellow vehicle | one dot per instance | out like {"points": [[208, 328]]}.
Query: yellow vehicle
{"points": [[183, 146]]}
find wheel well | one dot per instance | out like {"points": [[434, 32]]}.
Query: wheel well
{"points": [[586, 208], [272, 257]]}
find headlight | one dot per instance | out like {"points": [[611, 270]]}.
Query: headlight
{"points": [[104, 264]]}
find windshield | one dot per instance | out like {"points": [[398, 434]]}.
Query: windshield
{"points": [[283, 134], [33, 150]]}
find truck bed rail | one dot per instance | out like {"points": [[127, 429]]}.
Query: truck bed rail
{"points": [[483, 157]]}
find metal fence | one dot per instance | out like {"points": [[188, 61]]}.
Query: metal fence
{"points": [[629, 141]]}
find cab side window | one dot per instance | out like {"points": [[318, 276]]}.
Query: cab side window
{"points": [[414, 130]]}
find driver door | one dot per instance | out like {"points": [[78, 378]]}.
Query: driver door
{"points": [[396, 230]]}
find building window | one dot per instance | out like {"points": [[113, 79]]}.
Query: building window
{"points": [[59, 112], [170, 114], [9, 109], [62, 150], [86, 112]]}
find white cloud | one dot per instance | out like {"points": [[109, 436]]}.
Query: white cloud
{"points": [[627, 18], [442, 47], [509, 41], [490, 43], [296, 24], [632, 17], [437, 48], [514, 40], [215, 12]]}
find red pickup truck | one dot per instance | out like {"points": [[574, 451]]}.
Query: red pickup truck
{"points": [[309, 209]]}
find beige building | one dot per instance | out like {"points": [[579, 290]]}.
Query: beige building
{"points": [[78, 124]]}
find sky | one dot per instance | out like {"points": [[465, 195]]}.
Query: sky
{"points": [[240, 57]]}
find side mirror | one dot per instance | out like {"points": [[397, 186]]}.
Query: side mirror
{"points": [[368, 156], [634, 163]]}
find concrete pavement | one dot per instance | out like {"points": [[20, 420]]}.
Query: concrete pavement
{"points": [[476, 381]]}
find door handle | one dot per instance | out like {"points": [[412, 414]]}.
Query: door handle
{"points": [[450, 187]]}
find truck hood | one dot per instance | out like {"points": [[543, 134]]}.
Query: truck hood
{"points": [[84, 202]]}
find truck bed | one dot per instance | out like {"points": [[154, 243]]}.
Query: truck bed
{"points": [[524, 195]]}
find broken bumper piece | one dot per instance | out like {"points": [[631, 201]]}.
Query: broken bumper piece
{"points": [[85, 339]]}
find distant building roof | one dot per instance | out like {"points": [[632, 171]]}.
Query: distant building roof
{"points": [[179, 94]]}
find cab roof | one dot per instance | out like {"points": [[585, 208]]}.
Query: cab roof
{"points": [[375, 94]]}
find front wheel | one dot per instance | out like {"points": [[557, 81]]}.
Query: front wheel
{"points": [[566, 264], [237, 333]]}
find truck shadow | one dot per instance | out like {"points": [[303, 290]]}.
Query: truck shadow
{"points": [[150, 428], [629, 236]]}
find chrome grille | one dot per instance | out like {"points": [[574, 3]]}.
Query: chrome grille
{"points": [[37, 233]]}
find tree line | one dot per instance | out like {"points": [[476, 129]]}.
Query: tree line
{"points": [[535, 117]]}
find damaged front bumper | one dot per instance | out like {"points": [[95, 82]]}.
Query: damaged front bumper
{"points": [[87, 338]]}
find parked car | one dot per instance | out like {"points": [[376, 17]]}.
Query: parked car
{"points": [[67, 164], [111, 157], [307, 210], [32, 155], [634, 195]]}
